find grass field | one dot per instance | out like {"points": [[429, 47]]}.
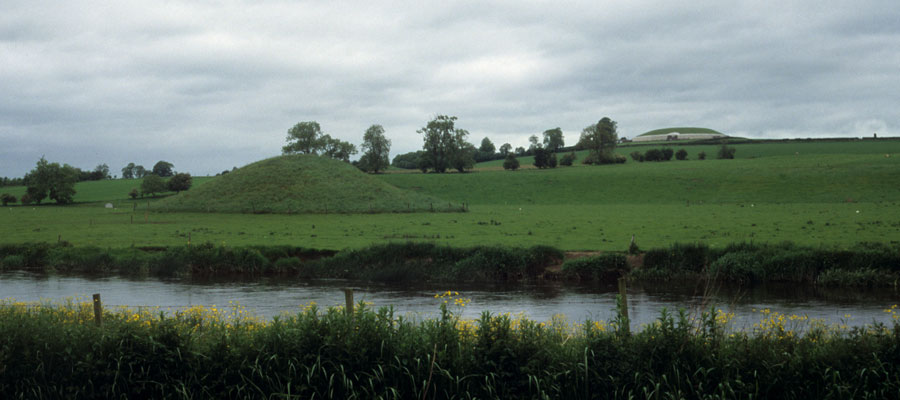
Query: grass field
{"points": [[811, 193]]}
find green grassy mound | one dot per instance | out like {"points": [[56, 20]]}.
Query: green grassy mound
{"points": [[300, 184], [682, 130]]}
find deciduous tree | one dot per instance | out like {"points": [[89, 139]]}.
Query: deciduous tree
{"points": [[304, 137], [376, 150], [553, 139], [152, 185], [600, 139], [51, 180], [181, 181], [445, 146], [163, 169]]}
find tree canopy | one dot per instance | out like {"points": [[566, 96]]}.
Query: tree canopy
{"points": [[600, 139], [304, 137], [553, 139], [181, 181], [51, 180], [376, 150], [163, 169], [153, 184], [445, 146]]}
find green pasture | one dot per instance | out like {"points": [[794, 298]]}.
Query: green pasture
{"points": [[812, 193]]}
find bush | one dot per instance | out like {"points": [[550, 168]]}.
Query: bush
{"points": [[637, 156], [511, 163], [667, 154], [605, 267], [568, 159], [726, 153], [552, 162], [12, 262], [605, 158], [7, 198], [701, 155], [133, 193], [26, 199], [681, 155], [653, 155]]}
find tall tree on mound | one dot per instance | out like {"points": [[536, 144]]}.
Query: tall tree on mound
{"points": [[337, 149], [304, 137], [446, 146], [376, 150], [600, 139]]}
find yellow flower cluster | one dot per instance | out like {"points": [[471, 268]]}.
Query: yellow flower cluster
{"points": [[893, 312]]}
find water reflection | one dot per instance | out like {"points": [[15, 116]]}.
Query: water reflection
{"points": [[272, 296]]}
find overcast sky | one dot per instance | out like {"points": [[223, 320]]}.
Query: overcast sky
{"points": [[212, 85]]}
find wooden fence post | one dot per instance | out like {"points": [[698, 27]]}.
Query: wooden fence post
{"points": [[623, 296], [98, 310], [348, 297]]}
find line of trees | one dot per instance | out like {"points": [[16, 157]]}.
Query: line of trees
{"points": [[445, 147], [307, 138]]}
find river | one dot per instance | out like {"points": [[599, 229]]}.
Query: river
{"points": [[272, 296]]}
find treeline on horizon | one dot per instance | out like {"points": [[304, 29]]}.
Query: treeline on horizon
{"points": [[863, 265]]}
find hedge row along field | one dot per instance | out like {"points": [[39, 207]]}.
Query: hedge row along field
{"points": [[57, 351], [864, 265]]}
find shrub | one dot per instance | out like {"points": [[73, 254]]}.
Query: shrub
{"points": [[679, 258], [620, 159], [552, 162], [26, 199], [742, 267], [7, 198], [701, 155], [133, 193], [637, 156], [12, 262], [726, 153], [653, 155], [667, 154], [681, 155], [605, 267], [511, 163], [568, 159]]}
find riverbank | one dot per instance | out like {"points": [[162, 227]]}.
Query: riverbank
{"points": [[60, 351], [864, 265]]}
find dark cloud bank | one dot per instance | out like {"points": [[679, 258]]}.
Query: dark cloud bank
{"points": [[211, 86]]}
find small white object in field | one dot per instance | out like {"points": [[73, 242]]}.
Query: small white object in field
{"points": [[520, 208], [857, 211], [109, 205], [751, 205]]}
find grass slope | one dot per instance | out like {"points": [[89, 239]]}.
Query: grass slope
{"points": [[811, 193], [299, 184], [666, 131]]}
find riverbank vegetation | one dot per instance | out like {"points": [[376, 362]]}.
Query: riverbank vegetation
{"points": [[59, 351], [863, 265]]}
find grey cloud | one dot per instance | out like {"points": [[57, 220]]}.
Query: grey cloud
{"points": [[211, 86]]}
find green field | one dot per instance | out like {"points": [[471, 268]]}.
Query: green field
{"points": [[811, 193]]}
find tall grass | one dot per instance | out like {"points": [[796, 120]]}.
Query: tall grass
{"points": [[56, 351]]}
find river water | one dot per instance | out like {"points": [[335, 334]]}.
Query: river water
{"points": [[273, 296]]}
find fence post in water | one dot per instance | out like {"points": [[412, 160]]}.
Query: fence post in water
{"points": [[623, 297], [348, 297], [98, 310]]}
